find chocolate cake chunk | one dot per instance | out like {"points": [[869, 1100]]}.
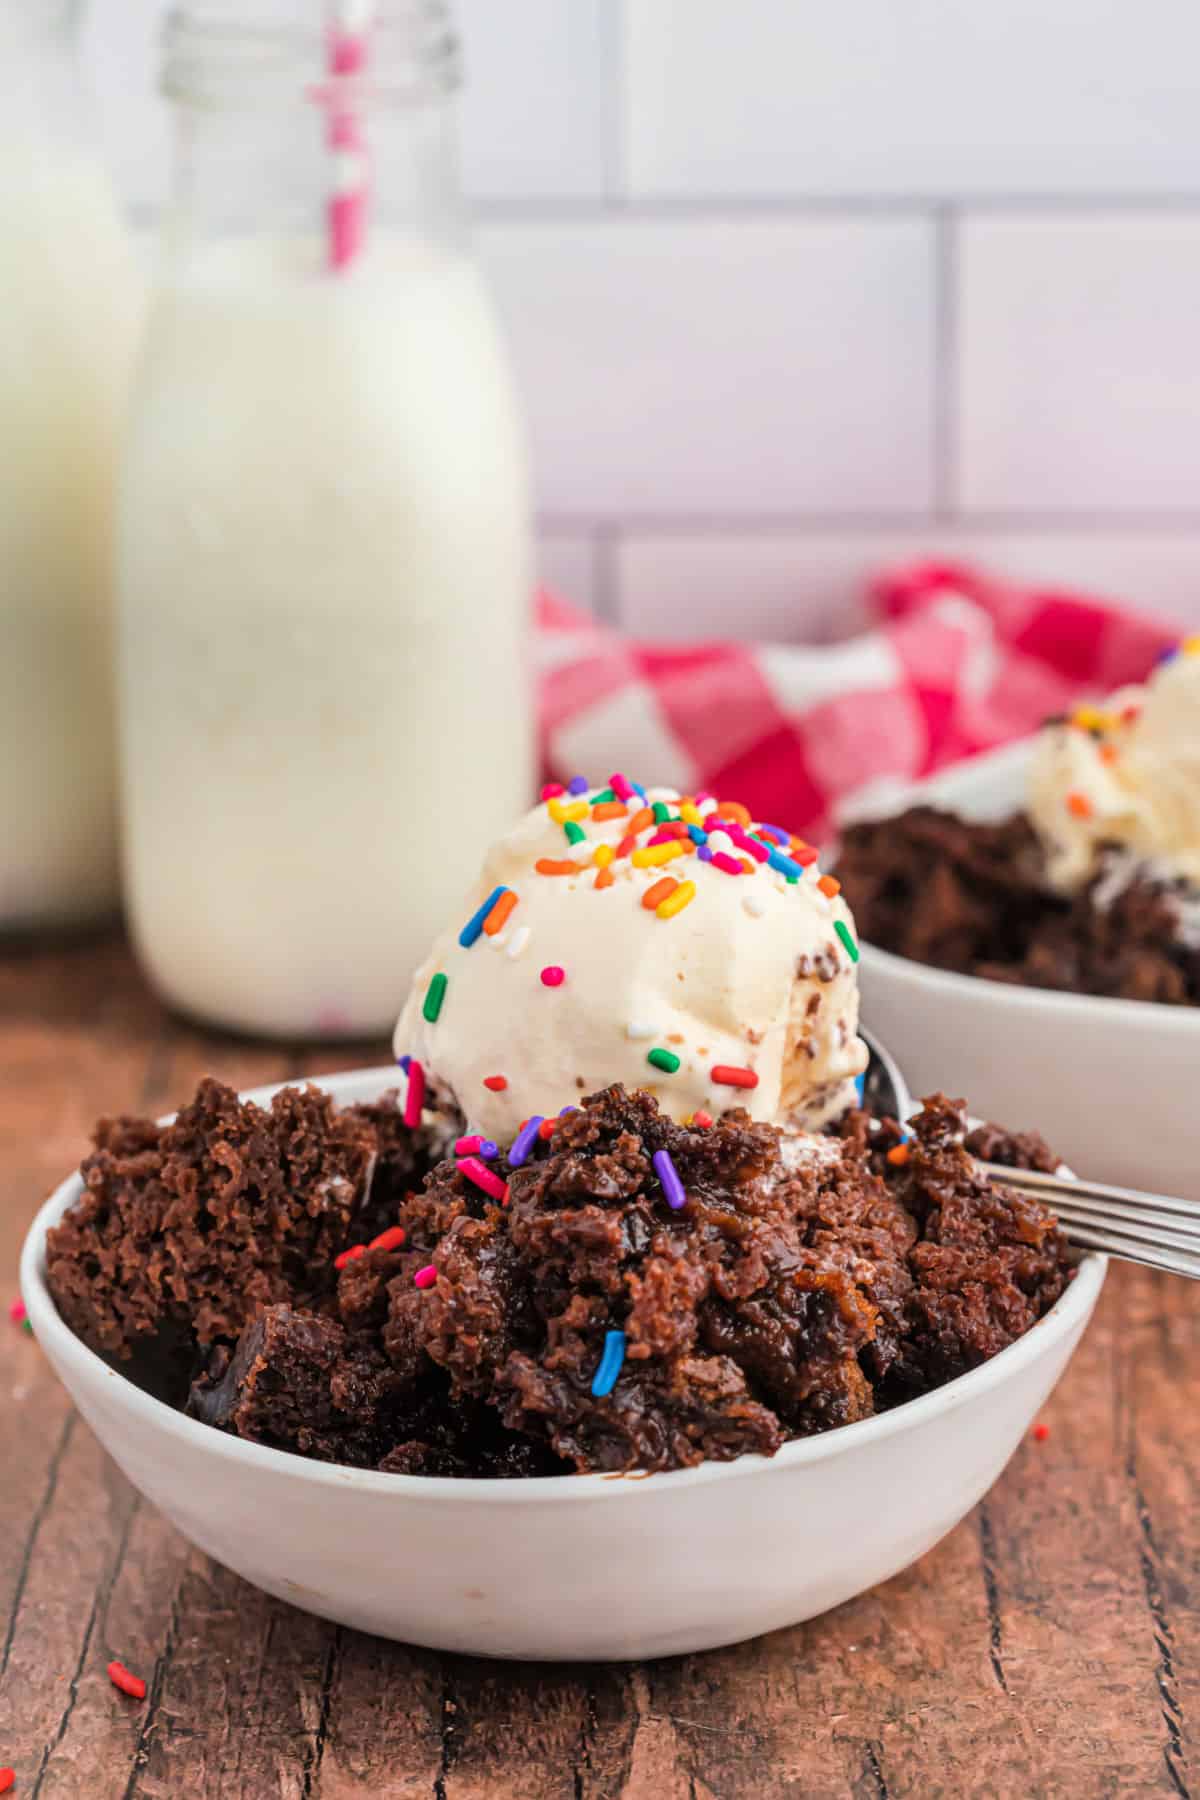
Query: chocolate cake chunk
{"points": [[403, 1159], [790, 1294], [299, 1382], [1012, 1149], [184, 1231], [801, 1283], [973, 897], [988, 1262]]}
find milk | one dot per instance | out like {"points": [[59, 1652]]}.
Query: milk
{"points": [[324, 583], [70, 297]]}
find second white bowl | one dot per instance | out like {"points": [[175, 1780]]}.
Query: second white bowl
{"points": [[1110, 1083]]}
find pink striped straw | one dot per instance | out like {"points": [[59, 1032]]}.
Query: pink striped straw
{"points": [[349, 34]]}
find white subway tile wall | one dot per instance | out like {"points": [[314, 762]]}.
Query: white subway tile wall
{"points": [[797, 291]]}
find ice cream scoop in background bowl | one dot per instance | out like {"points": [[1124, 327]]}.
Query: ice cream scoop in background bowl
{"points": [[576, 1567], [1110, 1083]]}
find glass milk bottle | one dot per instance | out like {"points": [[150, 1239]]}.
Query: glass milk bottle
{"points": [[69, 305], [323, 568]]}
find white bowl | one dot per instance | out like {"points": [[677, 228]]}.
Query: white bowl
{"points": [[581, 1567], [1110, 1083]]}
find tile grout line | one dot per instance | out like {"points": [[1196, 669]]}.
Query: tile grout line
{"points": [[1101, 522], [616, 159], [947, 368]]}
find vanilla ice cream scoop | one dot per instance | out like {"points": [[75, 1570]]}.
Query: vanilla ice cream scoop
{"points": [[1125, 774], [633, 937]]}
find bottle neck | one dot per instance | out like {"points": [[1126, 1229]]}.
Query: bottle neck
{"points": [[40, 92], [280, 134]]}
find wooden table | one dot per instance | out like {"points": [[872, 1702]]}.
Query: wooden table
{"points": [[1050, 1646]]}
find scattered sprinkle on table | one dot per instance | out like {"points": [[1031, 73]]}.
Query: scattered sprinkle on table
{"points": [[668, 1174], [435, 993], [133, 1685], [425, 1278], [473, 928], [553, 976], [843, 931], [728, 1075], [495, 1084], [523, 1143], [484, 1178], [391, 1239], [605, 1378], [666, 1060]]}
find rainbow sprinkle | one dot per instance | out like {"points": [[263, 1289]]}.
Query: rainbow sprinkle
{"points": [[683, 896], [473, 928], [425, 1278], [414, 1099], [553, 976], [668, 1174], [500, 914], [484, 1178], [728, 1075], [435, 993], [605, 1378], [666, 1060], [843, 931], [523, 1143]]}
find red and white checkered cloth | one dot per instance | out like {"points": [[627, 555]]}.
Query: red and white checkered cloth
{"points": [[956, 663]]}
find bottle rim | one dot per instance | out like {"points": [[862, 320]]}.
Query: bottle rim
{"points": [[227, 53]]}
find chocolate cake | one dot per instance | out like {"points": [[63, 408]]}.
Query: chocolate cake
{"points": [[973, 897], [583, 1322]]}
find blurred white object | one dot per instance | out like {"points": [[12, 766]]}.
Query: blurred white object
{"points": [[324, 577], [1110, 1083], [71, 303], [580, 1567]]}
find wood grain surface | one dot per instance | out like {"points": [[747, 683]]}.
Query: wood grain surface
{"points": [[1050, 1645]]}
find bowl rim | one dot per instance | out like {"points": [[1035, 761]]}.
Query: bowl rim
{"points": [[62, 1345], [1098, 1009]]}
